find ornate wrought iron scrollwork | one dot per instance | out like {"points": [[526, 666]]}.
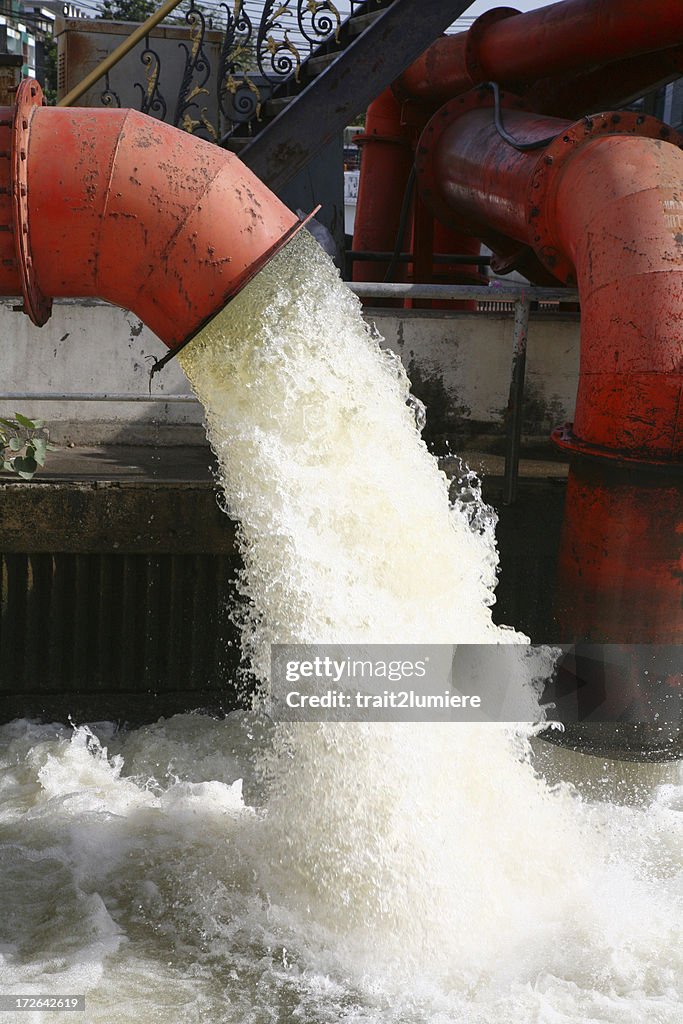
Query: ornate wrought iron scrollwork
{"points": [[318, 20], [108, 98], [189, 115], [151, 99], [239, 98], [277, 56], [255, 57]]}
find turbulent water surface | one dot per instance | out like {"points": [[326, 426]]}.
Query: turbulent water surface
{"points": [[237, 871]]}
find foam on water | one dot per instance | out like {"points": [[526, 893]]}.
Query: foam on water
{"points": [[235, 871]]}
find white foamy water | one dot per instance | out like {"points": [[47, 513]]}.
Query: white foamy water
{"points": [[236, 871]]}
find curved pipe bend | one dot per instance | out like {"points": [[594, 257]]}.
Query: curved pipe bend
{"points": [[123, 207], [609, 212]]}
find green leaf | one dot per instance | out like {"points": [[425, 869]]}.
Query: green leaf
{"points": [[15, 444], [39, 445], [25, 467], [39, 424], [7, 466], [24, 421], [8, 423]]}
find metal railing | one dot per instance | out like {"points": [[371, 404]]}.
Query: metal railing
{"points": [[263, 45], [521, 298]]}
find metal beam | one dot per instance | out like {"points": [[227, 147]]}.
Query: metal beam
{"points": [[368, 65]]}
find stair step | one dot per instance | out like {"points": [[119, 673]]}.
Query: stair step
{"points": [[360, 22], [316, 65], [271, 108], [236, 143]]}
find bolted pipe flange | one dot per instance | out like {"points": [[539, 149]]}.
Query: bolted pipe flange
{"points": [[566, 440], [29, 96], [477, 30], [554, 158], [430, 139]]}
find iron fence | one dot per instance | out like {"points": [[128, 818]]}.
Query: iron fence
{"points": [[263, 46]]}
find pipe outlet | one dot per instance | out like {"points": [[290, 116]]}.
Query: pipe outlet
{"points": [[120, 206]]}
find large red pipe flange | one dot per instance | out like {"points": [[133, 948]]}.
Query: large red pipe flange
{"points": [[36, 305]]}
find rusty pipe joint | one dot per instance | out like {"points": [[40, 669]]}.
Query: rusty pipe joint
{"points": [[601, 207], [117, 205]]}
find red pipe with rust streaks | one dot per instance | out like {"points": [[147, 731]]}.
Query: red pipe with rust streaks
{"points": [[515, 49], [604, 88], [605, 210], [386, 161], [118, 205], [617, 212], [620, 560]]}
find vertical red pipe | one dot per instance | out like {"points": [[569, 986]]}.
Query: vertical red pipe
{"points": [[621, 562], [386, 162]]}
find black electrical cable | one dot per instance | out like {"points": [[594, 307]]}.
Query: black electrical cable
{"points": [[523, 147], [402, 221]]}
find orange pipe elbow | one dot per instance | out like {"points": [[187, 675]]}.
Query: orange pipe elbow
{"points": [[617, 213], [601, 206], [117, 205]]}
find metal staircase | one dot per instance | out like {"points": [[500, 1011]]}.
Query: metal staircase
{"points": [[340, 77], [272, 80]]}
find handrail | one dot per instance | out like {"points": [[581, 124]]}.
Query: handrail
{"points": [[90, 396], [115, 56], [486, 293]]}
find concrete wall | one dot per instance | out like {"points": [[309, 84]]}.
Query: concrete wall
{"points": [[92, 347], [459, 364]]}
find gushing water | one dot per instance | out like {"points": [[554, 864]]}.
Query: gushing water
{"points": [[359, 872]]}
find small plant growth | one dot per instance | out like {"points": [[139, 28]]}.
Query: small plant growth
{"points": [[25, 444]]}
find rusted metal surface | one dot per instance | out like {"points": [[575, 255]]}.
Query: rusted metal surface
{"points": [[601, 207], [140, 214], [607, 87], [620, 556], [387, 157], [517, 49], [619, 217], [470, 176]]}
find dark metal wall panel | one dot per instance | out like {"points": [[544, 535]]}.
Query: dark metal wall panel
{"points": [[115, 624]]}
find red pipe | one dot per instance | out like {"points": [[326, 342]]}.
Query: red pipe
{"points": [[601, 208], [619, 567], [605, 88], [114, 204], [386, 161], [517, 49]]}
